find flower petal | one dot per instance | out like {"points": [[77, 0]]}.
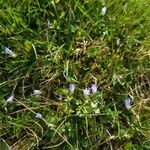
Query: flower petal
{"points": [[72, 87], [9, 52], [127, 102], [86, 92], [39, 116], [103, 11], [37, 92], [10, 99], [94, 88]]}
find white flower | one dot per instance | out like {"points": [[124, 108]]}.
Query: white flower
{"points": [[72, 87], [103, 11], [94, 88], [86, 92], [39, 116], [9, 52], [10, 99], [37, 92]]}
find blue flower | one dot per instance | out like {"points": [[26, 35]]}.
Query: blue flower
{"points": [[94, 88], [71, 87], [10, 99], [37, 92], [9, 52], [86, 92], [103, 11], [39, 116], [127, 102]]}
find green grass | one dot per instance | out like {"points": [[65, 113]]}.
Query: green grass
{"points": [[61, 42]]}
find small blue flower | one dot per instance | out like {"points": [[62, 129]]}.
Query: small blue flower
{"points": [[39, 116], [103, 11], [127, 102], [86, 92], [10, 99], [9, 52], [37, 92], [94, 88], [71, 87]]}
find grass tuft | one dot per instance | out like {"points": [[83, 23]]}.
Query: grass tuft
{"points": [[57, 52]]}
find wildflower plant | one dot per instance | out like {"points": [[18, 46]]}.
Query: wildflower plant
{"points": [[78, 41]]}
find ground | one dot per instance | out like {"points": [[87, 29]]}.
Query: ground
{"points": [[75, 74]]}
